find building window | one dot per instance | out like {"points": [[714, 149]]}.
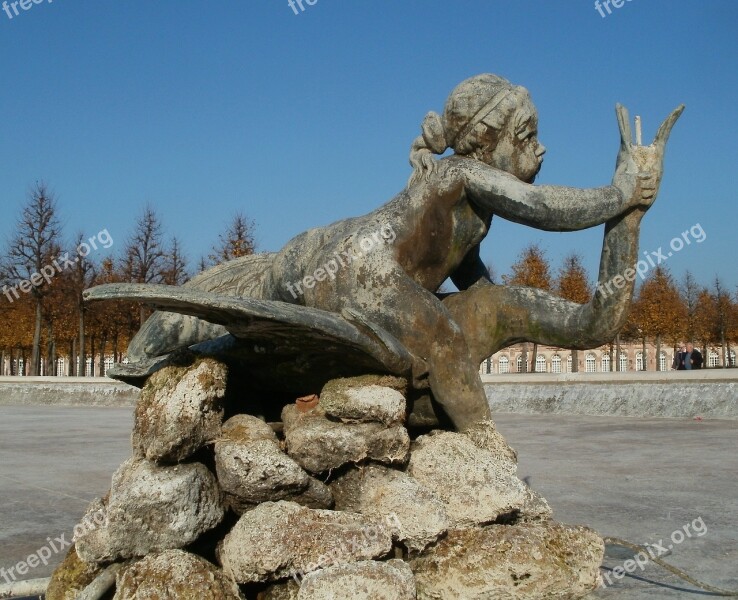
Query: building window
{"points": [[590, 363], [555, 364], [569, 363], [504, 364], [520, 364], [731, 360], [639, 361], [714, 359], [662, 361], [541, 366], [623, 362], [61, 366], [605, 363]]}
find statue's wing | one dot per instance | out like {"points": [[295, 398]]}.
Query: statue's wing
{"points": [[271, 338]]}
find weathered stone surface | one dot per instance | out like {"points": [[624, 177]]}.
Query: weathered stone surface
{"points": [[536, 508], [283, 539], [365, 399], [281, 591], [475, 485], [417, 515], [71, 577], [252, 468], [179, 411], [320, 445], [526, 562], [366, 580], [175, 575], [485, 435], [152, 509]]}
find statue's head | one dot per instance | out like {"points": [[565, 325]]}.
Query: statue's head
{"points": [[486, 118]]}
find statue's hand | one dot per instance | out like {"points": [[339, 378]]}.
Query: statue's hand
{"points": [[640, 168]]}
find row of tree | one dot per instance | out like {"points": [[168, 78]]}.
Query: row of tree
{"points": [[43, 317], [42, 277], [664, 310]]}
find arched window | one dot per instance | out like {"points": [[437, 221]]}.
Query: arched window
{"points": [[605, 362], [541, 366], [569, 363], [504, 364], [714, 359], [590, 363], [662, 361], [623, 362], [520, 364], [639, 361], [555, 364], [61, 366]]}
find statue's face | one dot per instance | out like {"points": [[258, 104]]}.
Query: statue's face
{"points": [[516, 148]]}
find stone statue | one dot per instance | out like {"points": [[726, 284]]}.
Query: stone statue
{"points": [[360, 295]]}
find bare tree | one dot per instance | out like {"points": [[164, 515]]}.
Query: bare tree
{"points": [[724, 306], [31, 257], [144, 253], [690, 294], [237, 241], [83, 277], [175, 264]]}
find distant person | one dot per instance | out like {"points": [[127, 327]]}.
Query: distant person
{"points": [[690, 359], [677, 356]]}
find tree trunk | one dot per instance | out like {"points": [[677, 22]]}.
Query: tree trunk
{"points": [[658, 353], [724, 347], [644, 365], [534, 359], [36, 351], [101, 364], [91, 372], [82, 357], [73, 358], [54, 369], [524, 359], [618, 352], [575, 361]]}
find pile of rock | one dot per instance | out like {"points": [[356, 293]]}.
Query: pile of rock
{"points": [[335, 502]]}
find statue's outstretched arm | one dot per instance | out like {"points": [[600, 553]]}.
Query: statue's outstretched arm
{"points": [[493, 317], [557, 208]]}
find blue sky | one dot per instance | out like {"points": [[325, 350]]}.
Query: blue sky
{"points": [[204, 109]]}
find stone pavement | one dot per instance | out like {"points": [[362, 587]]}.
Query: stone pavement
{"points": [[638, 479]]}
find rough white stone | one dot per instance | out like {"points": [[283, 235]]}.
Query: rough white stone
{"points": [[282, 539], [179, 411], [475, 485], [522, 562], [174, 575], [417, 515], [364, 399], [252, 468], [365, 580], [152, 509], [320, 445]]}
